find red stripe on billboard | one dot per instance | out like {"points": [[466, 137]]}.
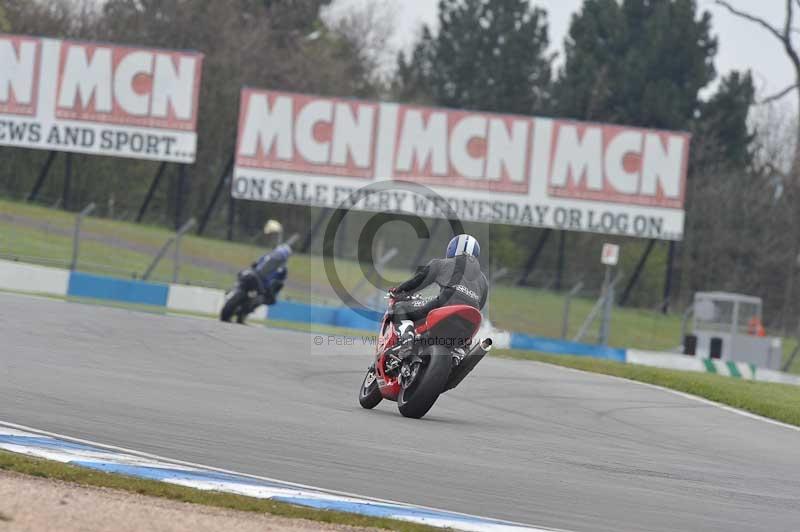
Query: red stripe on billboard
{"points": [[463, 149], [617, 164], [19, 76], [128, 86], [298, 133]]}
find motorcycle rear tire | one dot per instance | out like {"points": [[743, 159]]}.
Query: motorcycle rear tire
{"points": [[232, 305], [416, 400]]}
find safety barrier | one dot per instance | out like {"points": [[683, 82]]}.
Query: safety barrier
{"points": [[738, 370], [121, 290], [363, 319], [562, 347], [31, 278], [44, 280]]}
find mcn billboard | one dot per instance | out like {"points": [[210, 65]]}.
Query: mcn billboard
{"points": [[492, 168], [99, 98]]}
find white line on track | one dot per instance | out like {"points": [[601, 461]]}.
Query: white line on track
{"points": [[257, 477], [685, 395]]}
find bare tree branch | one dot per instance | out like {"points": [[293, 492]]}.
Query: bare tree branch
{"points": [[778, 95], [752, 18], [787, 37]]}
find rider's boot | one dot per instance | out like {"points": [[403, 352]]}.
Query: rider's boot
{"points": [[406, 334]]}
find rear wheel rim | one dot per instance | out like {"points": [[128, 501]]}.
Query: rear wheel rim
{"points": [[410, 383]]}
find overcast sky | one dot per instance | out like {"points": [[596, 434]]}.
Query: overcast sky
{"points": [[741, 44]]}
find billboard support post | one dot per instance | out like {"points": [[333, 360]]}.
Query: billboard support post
{"points": [[668, 277], [150, 191], [224, 177], [67, 181], [534, 256], [636, 273], [42, 175]]}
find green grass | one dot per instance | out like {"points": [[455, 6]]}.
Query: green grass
{"points": [[541, 312], [511, 308], [776, 401], [87, 477]]}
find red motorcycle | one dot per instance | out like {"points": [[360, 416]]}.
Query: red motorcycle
{"points": [[441, 357]]}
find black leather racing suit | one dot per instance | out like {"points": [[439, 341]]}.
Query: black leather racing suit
{"points": [[460, 280]]}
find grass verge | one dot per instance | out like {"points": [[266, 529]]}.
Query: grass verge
{"points": [[775, 401], [87, 477]]}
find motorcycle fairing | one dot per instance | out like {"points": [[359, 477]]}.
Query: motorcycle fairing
{"points": [[470, 316]]}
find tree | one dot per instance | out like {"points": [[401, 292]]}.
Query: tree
{"points": [[367, 31], [785, 35], [4, 24], [722, 136], [488, 54], [69, 18], [642, 62]]}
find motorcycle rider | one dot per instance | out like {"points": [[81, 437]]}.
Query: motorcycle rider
{"points": [[272, 271], [460, 280]]}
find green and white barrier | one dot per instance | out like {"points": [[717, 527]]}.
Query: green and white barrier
{"points": [[738, 370]]}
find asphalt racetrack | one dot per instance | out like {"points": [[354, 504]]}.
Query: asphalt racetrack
{"points": [[520, 441]]}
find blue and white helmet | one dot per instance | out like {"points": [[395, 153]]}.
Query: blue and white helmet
{"points": [[463, 245]]}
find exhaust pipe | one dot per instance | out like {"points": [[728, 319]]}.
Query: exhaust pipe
{"points": [[480, 349], [469, 362]]}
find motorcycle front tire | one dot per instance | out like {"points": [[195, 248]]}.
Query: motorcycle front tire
{"points": [[231, 305], [370, 394]]}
